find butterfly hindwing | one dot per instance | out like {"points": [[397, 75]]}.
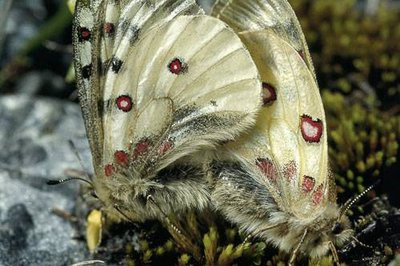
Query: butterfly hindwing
{"points": [[289, 138], [274, 180], [291, 129], [255, 15]]}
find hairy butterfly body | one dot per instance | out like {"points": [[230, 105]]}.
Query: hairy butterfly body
{"points": [[158, 82], [274, 181]]}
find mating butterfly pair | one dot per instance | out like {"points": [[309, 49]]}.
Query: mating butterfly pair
{"points": [[162, 85]]}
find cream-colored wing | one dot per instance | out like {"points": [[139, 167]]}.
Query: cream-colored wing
{"points": [[255, 15], [184, 86], [86, 38], [287, 150], [100, 29]]}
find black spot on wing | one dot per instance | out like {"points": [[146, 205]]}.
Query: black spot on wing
{"points": [[104, 66], [133, 34], [102, 106], [87, 71], [116, 64], [129, 31]]}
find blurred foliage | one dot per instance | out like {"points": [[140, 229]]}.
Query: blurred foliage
{"points": [[364, 141], [345, 42], [53, 27]]}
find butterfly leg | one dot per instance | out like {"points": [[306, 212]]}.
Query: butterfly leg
{"points": [[296, 250], [334, 254], [167, 220], [118, 209], [180, 238]]}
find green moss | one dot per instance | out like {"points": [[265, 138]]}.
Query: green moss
{"points": [[352, 50], [363, 140]]}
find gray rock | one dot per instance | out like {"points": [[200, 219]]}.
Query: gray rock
{"points": [[34, 147]]}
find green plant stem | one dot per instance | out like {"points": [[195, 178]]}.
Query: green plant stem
{"points": [[54, 26]]}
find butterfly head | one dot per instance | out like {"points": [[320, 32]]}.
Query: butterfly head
{"points": [[327, 231], [122, 190]]}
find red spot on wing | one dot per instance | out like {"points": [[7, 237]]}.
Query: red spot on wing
{"points": [[268, 93], [124, 103], [290, 171], [109, 169], [109, 28], [121, 157], [141, 148], [308, 184], [267, 168], [177, 66], [301, 53], [311, 130], [84, 34], [318, 194], [165, 147]]}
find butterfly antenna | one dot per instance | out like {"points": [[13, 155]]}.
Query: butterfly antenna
{"points": [[361, 243], [247, 238], [73, 173], [88, 262], [348, 204], [61, 181], [75, 150]]}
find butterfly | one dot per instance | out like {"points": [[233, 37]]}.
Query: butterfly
{"points": [[159, 83], [274, 181]]}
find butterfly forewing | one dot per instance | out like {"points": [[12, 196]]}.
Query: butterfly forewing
{"points": [[86, 44], [254, 15], [102, 27]]}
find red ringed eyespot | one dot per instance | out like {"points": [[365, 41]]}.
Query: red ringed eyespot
{"points": [[124, 103]]}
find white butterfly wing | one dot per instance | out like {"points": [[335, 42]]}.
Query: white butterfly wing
{"points": [[86, 39], [255, 15], [185, 85], [100, 28], [287, 150]]}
